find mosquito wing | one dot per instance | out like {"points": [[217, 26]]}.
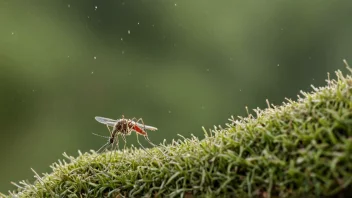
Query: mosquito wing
{"points": [[106, 121]]}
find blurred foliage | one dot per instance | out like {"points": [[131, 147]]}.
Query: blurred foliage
{"points": [[179, 65]]}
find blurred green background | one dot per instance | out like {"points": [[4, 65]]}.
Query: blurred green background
{"points": [[179, 65]]}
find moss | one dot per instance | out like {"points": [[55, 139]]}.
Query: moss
{"points": [[301, 148]]}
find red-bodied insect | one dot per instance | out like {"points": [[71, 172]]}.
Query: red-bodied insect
{"points": [[124, 127]]}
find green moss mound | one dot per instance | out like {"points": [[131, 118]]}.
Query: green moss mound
{"points": [[301, 148]]}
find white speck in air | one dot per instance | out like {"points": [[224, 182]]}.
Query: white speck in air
{"points": [[129, 32], [92, 72], [231, 59], [88, 17], [278, 65], [68, 5], [33, 90], [175, 4], [169, 111], [240, 89], [12, 33], [121, 39], [202, 107], [123, 52], [68, 56], [95, 7], [153, 25], [95, 58], [208, 70], [138, 23]]}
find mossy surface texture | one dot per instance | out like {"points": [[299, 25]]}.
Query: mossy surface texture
{"points": [[300, 148]]}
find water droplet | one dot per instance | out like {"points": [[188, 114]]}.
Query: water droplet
{"points": [[68, 5], [95, 7], [129, 32]]}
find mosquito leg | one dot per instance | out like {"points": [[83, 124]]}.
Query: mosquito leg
{"points": [[112, 148], [107, 126], [142, 122], [139, 120], [135, 120], [139, 142], [146, 136], [124, 139], [150, 142], [109, 129], [116, 143]]}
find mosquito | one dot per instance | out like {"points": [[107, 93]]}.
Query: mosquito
{"points": [[124, 127]]}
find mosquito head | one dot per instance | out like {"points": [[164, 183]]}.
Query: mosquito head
{"points": [[111, 140]]}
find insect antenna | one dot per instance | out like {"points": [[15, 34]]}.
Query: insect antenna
{"points": [[101, 136]]}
